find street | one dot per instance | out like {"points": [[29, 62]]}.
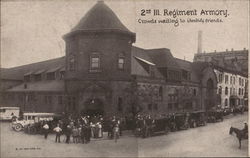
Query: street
{"points": [[210, 140]]}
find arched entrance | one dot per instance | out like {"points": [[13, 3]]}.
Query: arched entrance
{"points": [[93, 106]]}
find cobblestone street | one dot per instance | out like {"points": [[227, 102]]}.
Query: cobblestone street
{"points": [[211, 140]]}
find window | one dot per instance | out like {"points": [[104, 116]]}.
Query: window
{"points": [[72, 63], [239, 91], [38, 77], [60, 100], [226, 102], [27, 78], [220, 90], [48, 99], [155, 106], [231, 80], [62, 75], [160, 92], [184, 75], [226, 91], [239, 81], [119, 108], [230, 92], [170, 106], [51, 76], [220, 77], [121, 62], [149, 106], [226, 78], [194, 92], [94, 61], [72, 103]]}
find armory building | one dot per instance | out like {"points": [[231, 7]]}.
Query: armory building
{"points": [[102, 72]]}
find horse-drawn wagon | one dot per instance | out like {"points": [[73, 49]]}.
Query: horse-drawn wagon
{"points": [[197, 118], [214, 115]]}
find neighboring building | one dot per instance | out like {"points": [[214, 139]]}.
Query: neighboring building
{"points": [[103, 73], [239, 58], [231, 69]]}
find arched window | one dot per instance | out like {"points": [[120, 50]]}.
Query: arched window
{"points": [[220, 90], [226, 91], [194, 92], [239, 91]]}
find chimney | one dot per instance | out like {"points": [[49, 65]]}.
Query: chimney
{"points": [[215, 51], [244, 49], [199, 50], [232, 49]]}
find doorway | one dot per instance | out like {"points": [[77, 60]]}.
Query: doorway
{"points": [[93, 106]]}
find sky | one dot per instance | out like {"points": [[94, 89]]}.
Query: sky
{"points": [[31, 31]]}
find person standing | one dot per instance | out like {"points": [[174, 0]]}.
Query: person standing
{"points": [[46, 130], [68, 133], [116, 132], [74, 134], [58, 131]]}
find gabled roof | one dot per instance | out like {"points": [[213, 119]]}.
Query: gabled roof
{"points": [[163, 58], [189, 66], [101, 18], [139, 57], [18, 72]]}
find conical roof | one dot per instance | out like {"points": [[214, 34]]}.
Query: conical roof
{"points": [[101, 18]]}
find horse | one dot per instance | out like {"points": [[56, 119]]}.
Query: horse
{"points": [[240, 134]]}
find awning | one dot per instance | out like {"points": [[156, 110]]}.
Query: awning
{"points": [[63, 68], [28, 73], [39, 72], [54, 70], [145, 61]]}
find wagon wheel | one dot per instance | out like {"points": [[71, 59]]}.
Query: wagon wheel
{"points": [[18, 127]]}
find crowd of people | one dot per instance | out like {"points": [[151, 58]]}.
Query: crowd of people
{"points": [[82, 128]]}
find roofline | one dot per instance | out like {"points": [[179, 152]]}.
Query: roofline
{"points": [[100, 31], [223, 52], [35, 62]]}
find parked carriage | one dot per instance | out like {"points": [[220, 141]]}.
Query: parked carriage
{"points": [[215, 115], [150, 127], [197, 118], [180, 121]]}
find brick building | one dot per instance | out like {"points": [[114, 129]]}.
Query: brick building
{"points": [[231, 69], [102, 72]]}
